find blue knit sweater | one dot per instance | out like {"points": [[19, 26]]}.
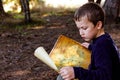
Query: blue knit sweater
{"points": [[105, 63]]}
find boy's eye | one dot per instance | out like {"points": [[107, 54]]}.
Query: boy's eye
{"points": [[84, 28]]}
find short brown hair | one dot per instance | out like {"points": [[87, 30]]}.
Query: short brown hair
{"points": [[92, 10]]}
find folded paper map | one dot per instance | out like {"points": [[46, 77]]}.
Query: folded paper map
{"points": [[66, 52], [41, 54]]}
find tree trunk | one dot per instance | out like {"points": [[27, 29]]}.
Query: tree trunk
{"points": [[90, 0], [26, 10], [2, 12], [98, 1], [111, 8]]}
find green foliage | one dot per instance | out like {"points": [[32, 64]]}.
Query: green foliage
{"points": [[39, 15], [18, 16]]}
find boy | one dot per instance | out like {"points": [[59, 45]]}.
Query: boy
{"points": [[105, 64]]}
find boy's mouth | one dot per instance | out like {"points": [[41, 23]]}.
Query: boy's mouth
{"points": [[83, 37]]}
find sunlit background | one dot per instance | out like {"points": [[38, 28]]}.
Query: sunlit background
{"points": [[14, 5]]}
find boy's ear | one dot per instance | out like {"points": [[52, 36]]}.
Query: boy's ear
{"points": [[99, 25]]}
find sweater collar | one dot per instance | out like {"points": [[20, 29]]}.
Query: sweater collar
{"points": [[102, 36]]}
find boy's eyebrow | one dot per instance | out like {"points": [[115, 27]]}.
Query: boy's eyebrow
{"points": [[83, 27]]}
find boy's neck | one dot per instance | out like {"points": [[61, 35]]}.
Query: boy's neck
{"points": [[101, 32]]}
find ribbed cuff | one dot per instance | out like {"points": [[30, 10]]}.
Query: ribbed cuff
{"points": [[77, 71]]}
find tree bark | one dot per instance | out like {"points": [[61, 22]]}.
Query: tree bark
{"points": [[90, 0], [2, 12], [111, 8], [26, 10], [98, 1]]}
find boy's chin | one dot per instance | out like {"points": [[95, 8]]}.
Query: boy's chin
{"points": [[87, 40]]}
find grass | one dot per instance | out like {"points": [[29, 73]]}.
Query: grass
{"points": [[16, 20]]}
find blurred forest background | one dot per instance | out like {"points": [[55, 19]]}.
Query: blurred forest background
{"points": [[28, 24]]}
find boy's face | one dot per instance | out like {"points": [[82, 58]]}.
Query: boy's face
{"points": [[87, 29]]}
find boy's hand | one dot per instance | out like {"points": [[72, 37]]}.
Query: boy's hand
{"points": [[85, 44], [67, 73]]}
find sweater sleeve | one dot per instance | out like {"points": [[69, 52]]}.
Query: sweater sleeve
{"points": [[101, 65], [89, 47]]}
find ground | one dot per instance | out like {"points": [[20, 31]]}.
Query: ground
{"points": [[17, 60]]}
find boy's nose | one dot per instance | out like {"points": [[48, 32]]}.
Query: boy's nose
{"points": [[81, 32]]}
